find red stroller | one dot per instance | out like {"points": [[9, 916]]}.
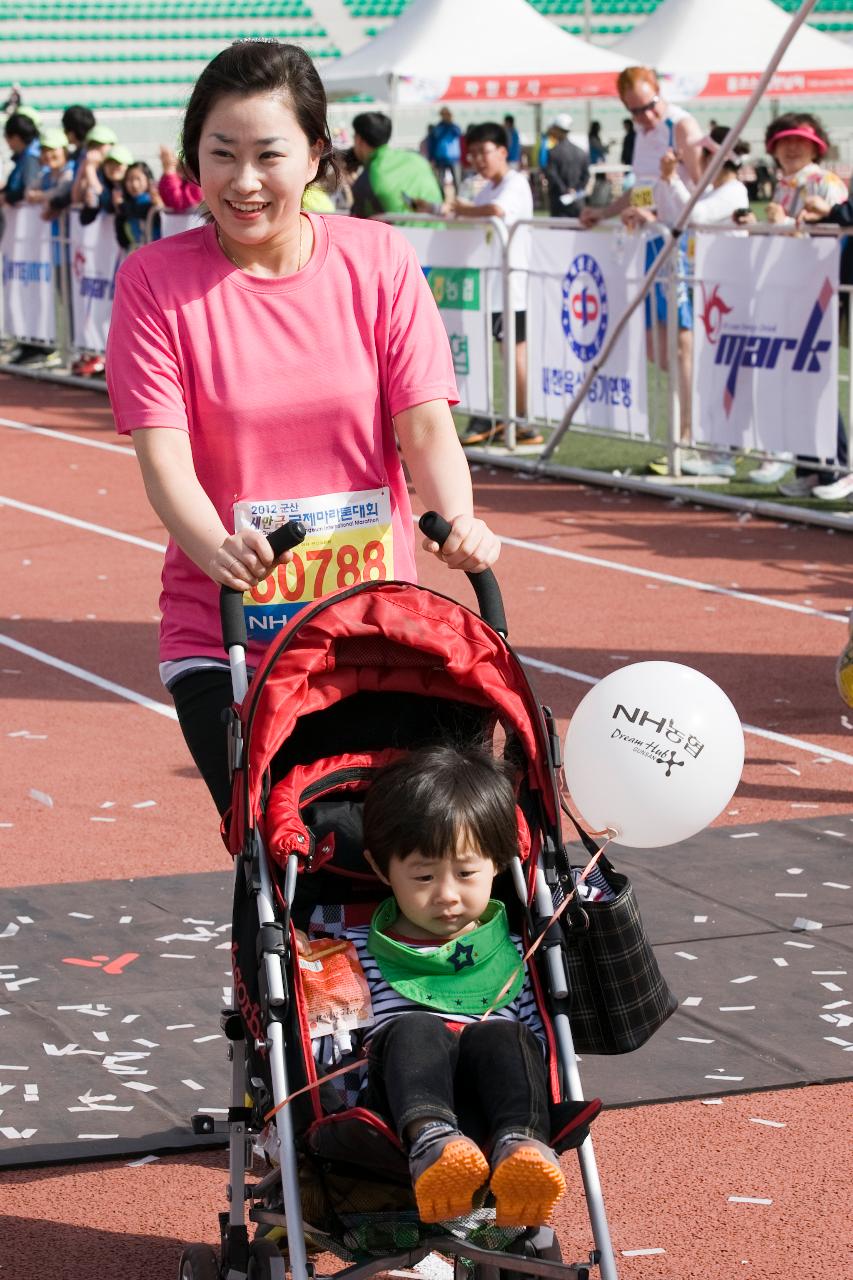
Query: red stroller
{"points": [[384, 666]]}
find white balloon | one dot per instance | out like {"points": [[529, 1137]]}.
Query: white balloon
{"points": [[654, 750]]}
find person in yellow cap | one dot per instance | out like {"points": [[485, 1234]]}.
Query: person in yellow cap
{"points": [[102, 193], [97, 142]]}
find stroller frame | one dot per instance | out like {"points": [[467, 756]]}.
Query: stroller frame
{"points": [[261, 1260]]}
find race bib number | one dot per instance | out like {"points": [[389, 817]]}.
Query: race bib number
{"points": [[349, 541], [642, 197]]}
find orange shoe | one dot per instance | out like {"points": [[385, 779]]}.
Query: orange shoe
{"points": [[446, 1176], [527, 1182]]}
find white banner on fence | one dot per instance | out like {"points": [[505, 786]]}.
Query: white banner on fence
{"points": [[766, 343], [95, 259], [29, 305], [172, 223], [580, 283], [462, 267]]}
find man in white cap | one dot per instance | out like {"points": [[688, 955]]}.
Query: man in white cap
{"points": [[567, 171]]}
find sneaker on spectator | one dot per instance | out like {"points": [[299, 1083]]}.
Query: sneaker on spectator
{"points": [[769, 472], [481, 431], [89, 366], [10, 354], [33, 356], [836, 489], [709, 465], [800, 486]]}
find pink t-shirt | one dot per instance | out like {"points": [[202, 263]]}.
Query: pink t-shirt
{"points": [[287, 387]]}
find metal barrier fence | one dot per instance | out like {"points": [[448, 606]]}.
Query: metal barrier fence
{"points": [[570, 284]]}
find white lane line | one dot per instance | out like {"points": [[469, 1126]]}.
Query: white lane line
{"points": [[693, 583], [66, 435], [82, 524], [80, 673], [799, 744]]}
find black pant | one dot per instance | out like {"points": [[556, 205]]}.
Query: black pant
{"points": [[489, 1078], [200, 699]]}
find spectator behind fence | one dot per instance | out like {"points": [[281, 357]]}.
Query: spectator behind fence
{"points": [[102, 182], [23, 138], [177, 191], [797, 141], [96, 144], [626, 155], [138, 199], [718, 203], [513, 143], [391, 180], [663, 128], [505, 194], [444, 149], [55, 177], [598, 148], [566, 171]]}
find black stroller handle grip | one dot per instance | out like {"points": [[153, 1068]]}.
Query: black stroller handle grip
{"points": [[485, 584], [231, 602]]}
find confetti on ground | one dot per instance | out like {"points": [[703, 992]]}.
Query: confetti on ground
{"points": [[135, 1164], [686, 955], [42, 797], [742, 835], [831, 884], [795, 871], [143, 804], [748, 977], [711, 1102], [781, 961], [696, 1040], [771, 1124], [641, 1253], [193, 1084], [691, 1001], [735, 1078], [749, 1200], [736, 1008], [700, 919]]}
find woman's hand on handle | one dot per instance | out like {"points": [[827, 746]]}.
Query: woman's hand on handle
{"points": [[244, 559], [471, 546]]}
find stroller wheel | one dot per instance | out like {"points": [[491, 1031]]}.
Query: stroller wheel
{"points": [[199, 1262], [265, 1261]]}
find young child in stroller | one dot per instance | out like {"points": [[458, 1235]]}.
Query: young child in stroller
{"points": [[439, 825]]}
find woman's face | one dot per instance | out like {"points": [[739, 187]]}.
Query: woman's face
{"points": [[793, 154], [114, 170], [254, 164]]}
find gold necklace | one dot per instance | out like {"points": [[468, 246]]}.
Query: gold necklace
{"points": [[239, 265]]}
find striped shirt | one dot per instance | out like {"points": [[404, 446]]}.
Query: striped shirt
{"points": [[389, 1003]]}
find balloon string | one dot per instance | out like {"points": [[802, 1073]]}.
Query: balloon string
{"points": [[341, 1071], [611, 833]]}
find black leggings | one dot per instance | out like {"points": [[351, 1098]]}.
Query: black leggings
{"points": [[200, 699], [489, 1078]]}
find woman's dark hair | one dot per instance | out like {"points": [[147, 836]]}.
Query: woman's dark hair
{"points": [[146, 169], [373, 127], [718, 134], [22, 127], [250, 67], [794, 120], [78, 120], [488, 132], [427, 800]]}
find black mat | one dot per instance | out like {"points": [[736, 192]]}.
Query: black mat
{"points": [[111, 1057]]}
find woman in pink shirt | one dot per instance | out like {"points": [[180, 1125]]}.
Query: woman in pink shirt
{"points": [[266, 365]]}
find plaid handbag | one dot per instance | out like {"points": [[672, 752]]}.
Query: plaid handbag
{"points": [[618, 996]]}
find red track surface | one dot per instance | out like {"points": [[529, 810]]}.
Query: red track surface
{"points": [[90, 600]]}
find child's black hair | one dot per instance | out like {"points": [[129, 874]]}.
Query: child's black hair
{"points": [[425, 802], [489, 131], [146, 169]]}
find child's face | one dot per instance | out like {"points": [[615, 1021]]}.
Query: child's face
{"points": [[441, 897], [793, 154], [114, 171], [53, 157], [135, 182]]}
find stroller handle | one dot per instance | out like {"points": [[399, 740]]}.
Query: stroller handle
{"points": [[485, 584], [231, 602]]}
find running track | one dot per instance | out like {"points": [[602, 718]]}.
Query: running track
{"points": [[592, 580]]}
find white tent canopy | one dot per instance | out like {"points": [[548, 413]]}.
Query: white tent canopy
{"points": [[476, 51], [719, 48]]}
